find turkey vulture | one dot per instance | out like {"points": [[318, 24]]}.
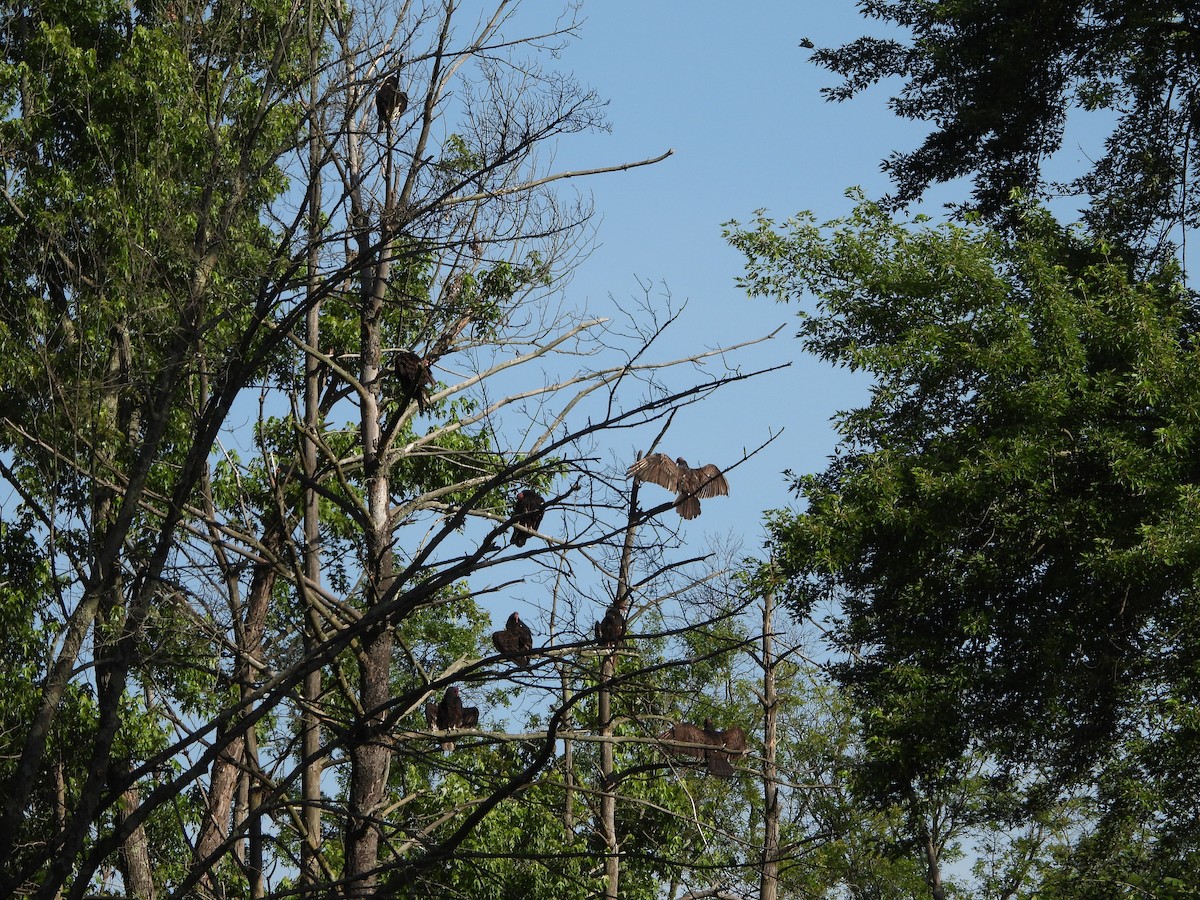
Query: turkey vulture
{"points": [[390, 101], [516, 640], [412, 377], [450, 710], [528, 509], [611, 628], [450, 713], [688, 483]]}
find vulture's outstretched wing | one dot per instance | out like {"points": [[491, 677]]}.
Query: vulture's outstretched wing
{"points": [[707, 481], [657, 468], [685, 733]]}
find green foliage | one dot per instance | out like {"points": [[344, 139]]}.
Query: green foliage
{"points": [[1007, 527], [997, 82]]}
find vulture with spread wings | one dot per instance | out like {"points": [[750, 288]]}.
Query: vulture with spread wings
{"points": [[690, 485], [515, 641], [528, 509], [390, 101]]}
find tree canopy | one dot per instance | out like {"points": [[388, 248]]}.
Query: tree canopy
{"points": [[998, 81], [1006, 535]]}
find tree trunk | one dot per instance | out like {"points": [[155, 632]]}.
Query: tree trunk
{"points": [[769, 876], [369, 756], [133, 859], [608, 796], [228, 768], [310, 727]]}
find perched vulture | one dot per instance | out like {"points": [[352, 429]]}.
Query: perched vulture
{"points": [[413, 377], [611, 628], [516, 640], [676, 475], [450, 710], [449, 714], [390, 101], [528, 509]]}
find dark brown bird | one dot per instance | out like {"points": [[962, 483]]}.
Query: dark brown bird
{"points": [[516, 640], [390, 101], [528, 509], [715, 754], [413, 377], [731, 741], [450, 712], [676, 475], [609, 630], [686, 734]]}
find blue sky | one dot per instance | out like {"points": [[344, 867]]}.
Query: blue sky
{"points": [[729, 89]]}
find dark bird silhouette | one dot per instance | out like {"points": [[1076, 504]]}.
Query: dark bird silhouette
{"points": [[516, 640], [413, 377], [676, 475], [528, 509], [450, 710], [449, 714], [390, 101], [611, 628]]}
